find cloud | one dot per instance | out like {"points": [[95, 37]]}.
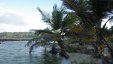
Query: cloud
{"points": [[8, 17], [14, 20], [12, 28]]}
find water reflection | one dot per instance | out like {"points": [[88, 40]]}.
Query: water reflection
{"points": [[49, 59], [65, 61], [45, 58]]}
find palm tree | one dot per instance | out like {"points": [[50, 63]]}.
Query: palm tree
{"points": [[58, 21], [92, 13]]}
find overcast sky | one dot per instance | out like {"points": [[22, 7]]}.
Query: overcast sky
{"points": [[22, 15]]}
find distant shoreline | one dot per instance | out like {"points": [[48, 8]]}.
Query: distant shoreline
{"points": [[15, 39]]}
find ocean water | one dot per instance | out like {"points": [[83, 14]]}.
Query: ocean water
{"points": [[15, 52]]}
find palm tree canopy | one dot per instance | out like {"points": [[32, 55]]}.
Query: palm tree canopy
{"points": [[58, 21], [90, 11], [55, 18], [100, 7], [59, 18]]}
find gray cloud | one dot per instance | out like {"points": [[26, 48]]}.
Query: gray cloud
{"points": [[11, 18]]}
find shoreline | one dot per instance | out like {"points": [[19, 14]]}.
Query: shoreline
{"points": [[15, 39]]}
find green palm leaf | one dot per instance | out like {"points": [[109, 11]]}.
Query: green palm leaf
{"points": [[45, 16]]}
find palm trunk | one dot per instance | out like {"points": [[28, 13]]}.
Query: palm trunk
{"points": [[96, 53], [101, 41], [63, 50], [53, 50], [105, 60], [110, 49]]}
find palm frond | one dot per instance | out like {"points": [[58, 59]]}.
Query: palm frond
{"points": [[71, 4], [43, 36], [45, 16], [32, 47], [70, 19], [100, 7], [50, 37], [44, 39], [57, 17], [87, 17], [33, 40], [43, 31], [109, 20]]}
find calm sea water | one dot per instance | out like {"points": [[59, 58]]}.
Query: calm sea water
{"points": [[15, 52]]}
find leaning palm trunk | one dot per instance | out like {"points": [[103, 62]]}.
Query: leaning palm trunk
{"points": [[63, 52], [110, 49], [102, 41]]}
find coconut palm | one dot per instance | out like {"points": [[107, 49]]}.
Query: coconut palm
{"points": [[92, 13], [58, 21]]}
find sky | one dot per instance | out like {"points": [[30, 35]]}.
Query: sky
{"points": [[22, 15]]}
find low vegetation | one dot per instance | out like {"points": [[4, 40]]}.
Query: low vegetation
{"points": [[16, 35]]}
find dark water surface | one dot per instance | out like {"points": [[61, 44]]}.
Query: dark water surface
{"points": [[15, 52]]}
